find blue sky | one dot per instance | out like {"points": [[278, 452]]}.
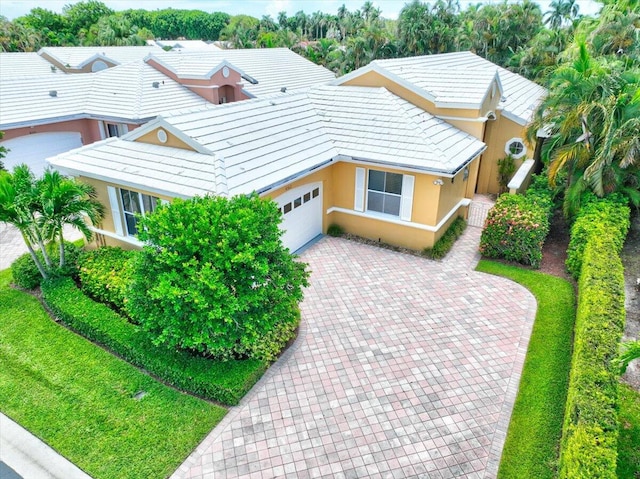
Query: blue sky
{"points": [[390, 8]]}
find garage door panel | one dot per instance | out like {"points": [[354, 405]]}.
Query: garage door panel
{"points": [[35, 149], [301, 215]]}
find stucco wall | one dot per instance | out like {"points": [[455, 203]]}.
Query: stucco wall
{"points": [[498, 133], [88, 129]]}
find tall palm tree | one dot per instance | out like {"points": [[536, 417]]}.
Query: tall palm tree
{"points": [[593, 114], [66, 201], [18, 208]]}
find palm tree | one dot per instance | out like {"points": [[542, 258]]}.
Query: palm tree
{"points": [[593, 114], [18, 208], [562, 11], [630, 352], [66, 201]]}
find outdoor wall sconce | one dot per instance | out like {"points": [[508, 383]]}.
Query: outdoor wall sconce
{"points": [[465, 174], [438, 182]]}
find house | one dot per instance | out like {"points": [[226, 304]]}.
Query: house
{"points": [[51, 102], [394, 152]]}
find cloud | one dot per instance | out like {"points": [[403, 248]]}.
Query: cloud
{"points": [[276, 6]]}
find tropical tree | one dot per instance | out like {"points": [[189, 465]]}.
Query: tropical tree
{"points": [[18, 207], [630, 352], [592, 114], [65, 201], [562, 12]]}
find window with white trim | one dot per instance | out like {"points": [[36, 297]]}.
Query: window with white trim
{"points": [[115, 129], [384, 192], [134, 203], [516, 148]]}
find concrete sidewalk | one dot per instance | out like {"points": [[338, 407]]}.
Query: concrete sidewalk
{"points": [[31, 458]]}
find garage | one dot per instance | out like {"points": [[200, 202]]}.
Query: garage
{"points": [[34, 149], [302, 215]]}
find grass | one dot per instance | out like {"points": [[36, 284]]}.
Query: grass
{"points": [[532, 444], [78, 398], [629, 438]]}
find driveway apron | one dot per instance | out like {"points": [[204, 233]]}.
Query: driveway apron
{"points": [[403, 367]]}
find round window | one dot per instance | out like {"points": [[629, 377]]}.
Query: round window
{"points": [[516, 148]]}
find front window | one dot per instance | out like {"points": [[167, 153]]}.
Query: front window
{"points": [[134, 203], [384, 192], [516, 148]]}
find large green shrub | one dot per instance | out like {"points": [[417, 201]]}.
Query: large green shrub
{"points": [[214, 277], [106, 275], [541, 193], [597, 218], [25, 272], [226, 382], [515, 230], [589, 443]]}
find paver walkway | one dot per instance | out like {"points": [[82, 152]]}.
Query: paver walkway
{"points": [[403, 367]]}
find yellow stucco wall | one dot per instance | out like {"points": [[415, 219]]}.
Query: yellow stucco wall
{"points": [[172, 140], [498, 133], [431, 203]]}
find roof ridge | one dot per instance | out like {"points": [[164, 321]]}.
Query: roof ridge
{"points": [[403, 105]]}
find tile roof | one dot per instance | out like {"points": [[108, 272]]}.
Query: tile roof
{"points": [[464, 77], [25, 64], [265, 142], [273, 68], [76, 57], [124, 92]]}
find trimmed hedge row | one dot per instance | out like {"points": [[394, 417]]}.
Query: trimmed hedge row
{"points": [[589, 441], [226, 382], [601, 217], [446, 241]]}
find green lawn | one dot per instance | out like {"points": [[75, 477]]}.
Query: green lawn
{"points": [[629, 439], [532, 445], [78, 398]]}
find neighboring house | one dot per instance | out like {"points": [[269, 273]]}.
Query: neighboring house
{"points": [[46, 110], [394, 151]]}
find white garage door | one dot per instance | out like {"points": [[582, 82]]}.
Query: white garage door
{"points": [[302, 215], [34, 149]]}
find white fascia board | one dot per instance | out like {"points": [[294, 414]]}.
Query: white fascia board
{"points": [[160, 122], [458, 105], [295, 177], [412, 168], [481, 119], [43, 121], [353, 74], [501, 88], [515, 118], [156, 59], [219, 67], [496, 78], [117, 182]]}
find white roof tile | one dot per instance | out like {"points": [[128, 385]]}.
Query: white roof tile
{"points": [[124, 92], [265, 142], [464, 77], [25, 64], [76, 57], [273, 68]]}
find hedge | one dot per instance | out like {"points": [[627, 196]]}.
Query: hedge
{"points": [[25, 272], [515, 230], [589, 442], [601, 217], [226, 382], [446, 241], [105, 275]]}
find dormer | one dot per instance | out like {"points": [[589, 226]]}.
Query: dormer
{"points": [[220, 83]]}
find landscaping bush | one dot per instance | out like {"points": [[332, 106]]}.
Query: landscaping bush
{"points": [[226, 382], [598, 217], [515, 230], [541, 193], [335, 230], [215, 278], [446, 241], [589, 442], [25, 272], [106, 274]]}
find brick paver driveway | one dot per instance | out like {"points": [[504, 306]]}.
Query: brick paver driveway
{"points": [[404, 367]]}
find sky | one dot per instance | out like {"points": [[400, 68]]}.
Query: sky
{"points": [[257, 8]]}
